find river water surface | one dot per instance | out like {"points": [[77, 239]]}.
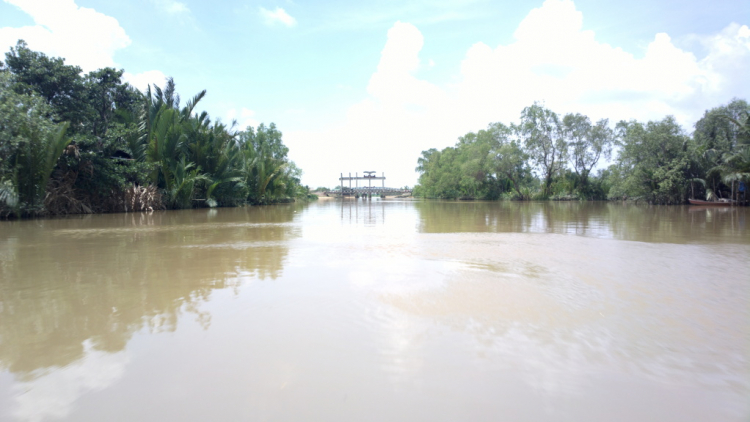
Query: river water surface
{"points": [[378, 311]]}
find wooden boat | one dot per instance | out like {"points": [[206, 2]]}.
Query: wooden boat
{"points": [[709, 203]]}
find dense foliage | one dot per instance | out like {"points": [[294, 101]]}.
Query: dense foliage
{"points": [[546, 156], [75, 143]]}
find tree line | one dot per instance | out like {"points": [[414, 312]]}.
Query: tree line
{"points": [[88, 143], [549, 156]]}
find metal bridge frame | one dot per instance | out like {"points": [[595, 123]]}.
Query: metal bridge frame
{"points": [[367, 191], [369, 176]]}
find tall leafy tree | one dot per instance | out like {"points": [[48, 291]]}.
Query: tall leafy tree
{"points": [[587, 144], [511, 163], [30, 145], [653, 161], [268, 138], [19, 112], [482, 165], [544, 141], [106, 95], [60, 84], [722, 138], [34, 162], [264, 159]]}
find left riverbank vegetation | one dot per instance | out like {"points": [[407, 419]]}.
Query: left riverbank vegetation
{"points": [[562, 157], [91, 143]]}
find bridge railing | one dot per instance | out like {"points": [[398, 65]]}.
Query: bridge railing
{"points": [[369, 190]]}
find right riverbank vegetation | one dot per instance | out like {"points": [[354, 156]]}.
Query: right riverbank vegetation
{"points": [[72, 143], [549, 156]]}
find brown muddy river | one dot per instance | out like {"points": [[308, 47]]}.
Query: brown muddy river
{"points": [[378, 311]]}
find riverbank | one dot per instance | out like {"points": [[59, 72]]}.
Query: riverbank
{"points": [[112, 148]]}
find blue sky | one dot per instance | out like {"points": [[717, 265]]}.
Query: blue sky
{"points": [[357, 87]]}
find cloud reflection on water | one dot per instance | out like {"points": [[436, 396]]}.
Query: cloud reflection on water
{"points": [[74, 291]]}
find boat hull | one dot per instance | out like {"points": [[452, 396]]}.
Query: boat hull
{"points": [[709, 203]]}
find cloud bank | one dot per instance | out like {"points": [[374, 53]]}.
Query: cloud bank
{"points": [[83, 36], [551, 59]]}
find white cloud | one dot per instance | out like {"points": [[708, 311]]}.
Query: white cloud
{"points": [[172, 7], [573, 72], [551, 59], [386, 131], [245, 117], [51, 395], [277, 16], [143, 79], [728, 60], [83, 36], [394, 83]]}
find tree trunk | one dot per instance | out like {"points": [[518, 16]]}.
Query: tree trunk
{"points": [[515, 185], [547, 183]]}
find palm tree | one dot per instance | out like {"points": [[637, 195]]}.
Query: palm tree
{"points": [[214, 150], [35, 160], [180, 184], [260, 171], [736, 164]]}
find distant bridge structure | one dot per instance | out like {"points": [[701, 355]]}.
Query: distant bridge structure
{"points": [[366, 191]]}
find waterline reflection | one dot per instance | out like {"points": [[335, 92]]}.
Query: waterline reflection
{"points": [[74, 291], [678, 224], [378, 309]]}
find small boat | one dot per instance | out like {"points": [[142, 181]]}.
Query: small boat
{"points": [[710, 203]]}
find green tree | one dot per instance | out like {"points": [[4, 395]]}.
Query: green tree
{"points": [[587, 144], [266, 171], [511, 162], [478, 166], [19, 112], [122, 141], [88, 177], [722, 138], [34, 161], [60, 84], [544, 141], [653, 161], [106, 95], [212, 147], [30, 145]]}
